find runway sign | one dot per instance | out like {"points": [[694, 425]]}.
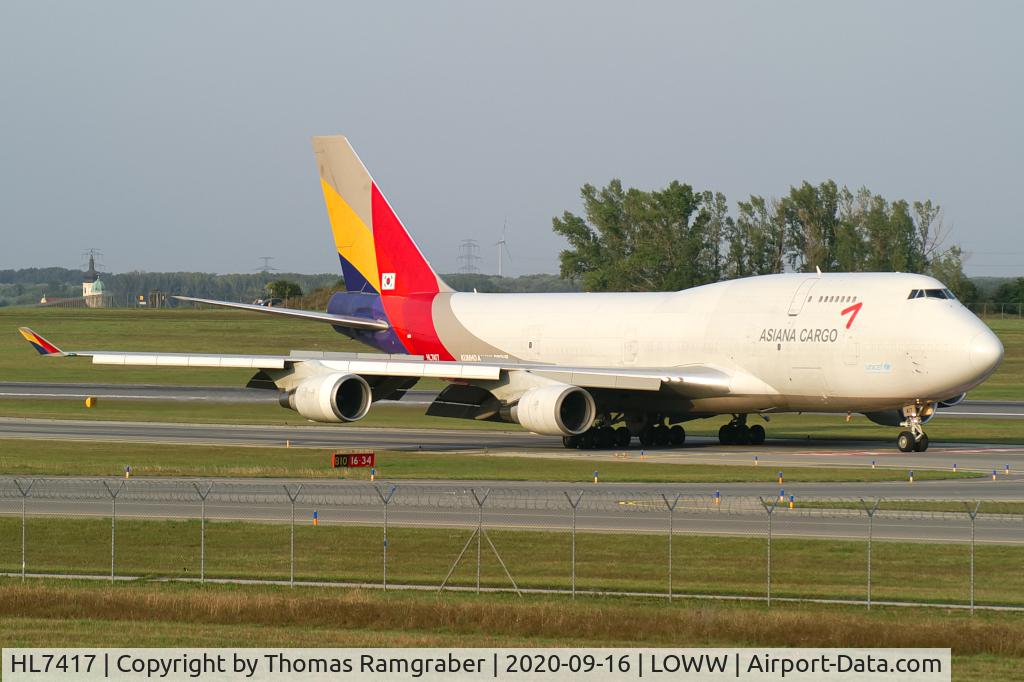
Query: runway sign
{"points": [[341, 460]]}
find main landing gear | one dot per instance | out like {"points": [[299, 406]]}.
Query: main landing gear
{"points": [[652, 433], [914, 439], [736, 432]]}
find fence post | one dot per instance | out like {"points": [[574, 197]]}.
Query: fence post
{"points": [[479, 530], [871, 523], [579, 496], [113, 522], [202, 528], [769, 508], [24, 500], [671, 531], [386, 500], [973, 513], [291, 498]]}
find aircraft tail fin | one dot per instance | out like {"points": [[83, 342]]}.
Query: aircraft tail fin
{"points": [[42, 346], [376, 252]]}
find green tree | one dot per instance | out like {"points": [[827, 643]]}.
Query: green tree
{"points": [[631, 240], [1010, 292], [283, 288], [948, 268], [930, 230], [756, 239], [811, 216]]}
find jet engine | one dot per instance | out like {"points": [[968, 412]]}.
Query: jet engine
{"points": [[331, 398], [955, 400], [894, 417], [555, 410]]}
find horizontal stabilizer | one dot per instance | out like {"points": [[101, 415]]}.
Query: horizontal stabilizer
{"points": [[337, 320]]}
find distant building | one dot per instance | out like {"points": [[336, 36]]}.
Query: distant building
{"points": [[92, 285]]}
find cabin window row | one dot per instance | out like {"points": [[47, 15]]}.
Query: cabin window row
{"points": [[837, 299]]}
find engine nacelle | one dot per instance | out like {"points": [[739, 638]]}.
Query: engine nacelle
{"points": [[556, 410], [894, 417], [955, 400], [332, 398]]}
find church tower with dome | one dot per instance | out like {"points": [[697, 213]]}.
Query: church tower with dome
{"points": [[92, 285]]}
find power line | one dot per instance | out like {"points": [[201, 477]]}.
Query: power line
{"points": [[266, 268]]}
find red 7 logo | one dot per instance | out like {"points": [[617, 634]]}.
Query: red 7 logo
{"points": [[855, 308]]}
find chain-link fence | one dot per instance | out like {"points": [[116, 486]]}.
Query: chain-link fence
{"points": [[997, 309], [608, 539]]}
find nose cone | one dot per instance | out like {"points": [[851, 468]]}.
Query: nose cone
{"points": [[986, 352]]}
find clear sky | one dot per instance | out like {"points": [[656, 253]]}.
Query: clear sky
{"points": [[175, 135]]}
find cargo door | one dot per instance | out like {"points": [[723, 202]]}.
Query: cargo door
{"points": [[801, 296]]}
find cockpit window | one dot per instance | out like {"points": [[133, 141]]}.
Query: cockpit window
{"points": [[932, 293]]}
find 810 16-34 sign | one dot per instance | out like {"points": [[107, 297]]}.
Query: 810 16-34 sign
{"points": [[341, 460]]}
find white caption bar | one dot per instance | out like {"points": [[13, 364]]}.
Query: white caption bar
{"points": [[470, 665]]}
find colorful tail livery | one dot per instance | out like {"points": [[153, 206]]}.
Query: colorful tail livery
{"points": [[41, 345], [386, 275]]}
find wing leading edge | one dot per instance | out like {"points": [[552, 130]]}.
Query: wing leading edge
{"points": [[682, 380], [337, 320]]}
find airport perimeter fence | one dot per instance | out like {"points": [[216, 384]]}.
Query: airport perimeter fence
{"points": [[563, 539]]}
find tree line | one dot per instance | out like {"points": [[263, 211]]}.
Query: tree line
{"points": [[677, 237], [26, 286]]}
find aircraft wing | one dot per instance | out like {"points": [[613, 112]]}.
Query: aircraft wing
{"points": [[336, 320], [689, 379]]}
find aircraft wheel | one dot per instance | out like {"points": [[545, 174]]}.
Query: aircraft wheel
{"points": [[757, 434], [725, 435], [677, 435], [587, 439], [921, 444], [647, 436], [905, 441], [572, 442], [661, 435], [622, 437], [605, 437], [742, 434]]}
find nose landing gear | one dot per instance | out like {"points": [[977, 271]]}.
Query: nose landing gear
{"points": [[914, 439]]}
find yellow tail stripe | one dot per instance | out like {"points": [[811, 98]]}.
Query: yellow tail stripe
{"points": [[352, 236]]}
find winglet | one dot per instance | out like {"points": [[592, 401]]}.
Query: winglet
{"points": [[39, 343]]}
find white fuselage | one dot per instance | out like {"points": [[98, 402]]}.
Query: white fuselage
{"points": [[783, 339]]}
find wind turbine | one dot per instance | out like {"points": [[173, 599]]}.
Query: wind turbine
{"points": [[503, 245]]}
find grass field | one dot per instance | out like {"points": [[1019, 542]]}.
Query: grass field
{"points": [[988, 646], [24, 457], [340, 551], [222, 331]]}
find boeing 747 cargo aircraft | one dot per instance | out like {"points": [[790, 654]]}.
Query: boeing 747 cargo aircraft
{"points": [[599, 369]]}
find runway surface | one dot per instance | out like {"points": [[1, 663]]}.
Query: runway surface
{"points": [[605, 508], [969, 409], [775, 453]]}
